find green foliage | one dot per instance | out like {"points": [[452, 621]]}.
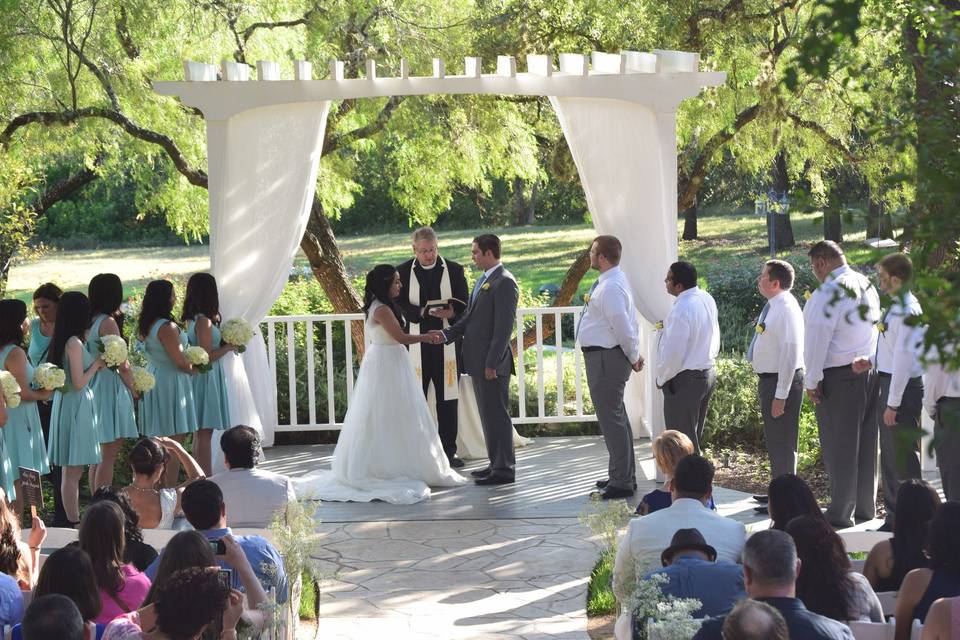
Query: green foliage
{"points": [[600, 598]]}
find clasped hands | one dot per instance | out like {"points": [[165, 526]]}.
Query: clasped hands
{"points": [[434, 336]]}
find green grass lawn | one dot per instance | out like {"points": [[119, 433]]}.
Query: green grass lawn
{"points": [[536, 255]]}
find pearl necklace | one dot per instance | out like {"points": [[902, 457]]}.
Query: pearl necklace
{"points": [[141, 489]]}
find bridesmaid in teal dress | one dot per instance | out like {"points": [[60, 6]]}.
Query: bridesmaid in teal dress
{"points": [[167, 409], [113, 390], [74, 430], [201, 313], [21, 440], [45, 301]]}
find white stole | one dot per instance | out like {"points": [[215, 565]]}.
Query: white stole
{"points": [[450, 377]]}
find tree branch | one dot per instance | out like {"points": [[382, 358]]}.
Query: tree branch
{"points": [[123, 35], [824, 135], [337, 141], [249, 31]]}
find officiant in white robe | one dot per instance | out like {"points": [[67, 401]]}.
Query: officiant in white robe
{"points": [[429, 277]]}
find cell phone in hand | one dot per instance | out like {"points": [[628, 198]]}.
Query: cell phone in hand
{"points": [[218, 547], [226, 577]]}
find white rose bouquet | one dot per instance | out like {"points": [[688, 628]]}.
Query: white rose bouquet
{"points": [[143, 380], [114, 351], [49, 376], [199, 358], [237, 332], [11, 389]]}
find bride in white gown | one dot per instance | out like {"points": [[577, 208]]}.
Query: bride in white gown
{"points": [[389, 448]]}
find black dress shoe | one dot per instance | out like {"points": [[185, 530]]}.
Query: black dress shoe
{"points": [[481, 473], [886, 527], [493, 479], [456, 462], [602, 484], [762, 510], [612, 493], [761, 499]]}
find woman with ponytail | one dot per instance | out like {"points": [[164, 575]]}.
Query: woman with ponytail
{"points": [[74, 423]]}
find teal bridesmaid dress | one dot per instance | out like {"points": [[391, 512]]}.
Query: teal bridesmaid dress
{"points": [[74, 428], [39, 344], [167, 409], [113, 399], [210, 388], [23, 434]]}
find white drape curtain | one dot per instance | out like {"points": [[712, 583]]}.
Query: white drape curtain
{"points": [[626, 157], [263, 177]]}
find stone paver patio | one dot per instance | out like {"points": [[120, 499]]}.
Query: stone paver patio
{"points": [[473, 562]]}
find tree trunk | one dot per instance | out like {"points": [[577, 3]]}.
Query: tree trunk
{"points": [[690, 221], [782, 231], [6, 257], [320, 247], [781, 179], [879, 223], [832, 225], [571, 281], [532, 207]]}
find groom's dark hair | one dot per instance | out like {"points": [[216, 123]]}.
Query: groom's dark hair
{"points": [[488, 242]]}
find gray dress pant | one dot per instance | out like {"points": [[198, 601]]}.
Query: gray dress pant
{"points": [[946, 437], [493, 403], [781, 433], [607, 374], [685, 400], [847, 424], [900, 444]]}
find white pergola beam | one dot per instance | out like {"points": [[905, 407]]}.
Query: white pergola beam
{"points": [[302, 70], [371, 67], [677, 61], [336, 70], [506, 66], [574, 64], [234, 71], [267, 70], [540, 65], [439, 68], [608, 62]]}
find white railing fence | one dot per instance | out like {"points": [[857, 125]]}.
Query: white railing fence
{"points": [[313, 360]]}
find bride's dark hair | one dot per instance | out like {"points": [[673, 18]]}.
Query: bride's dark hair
{"points": [[379, 281]]}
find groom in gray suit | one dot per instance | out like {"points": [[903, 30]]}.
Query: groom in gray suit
{"points": [[486, 327]]}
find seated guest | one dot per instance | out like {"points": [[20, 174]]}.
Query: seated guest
{"points": [[770, 568], [122, 587], [68, 572], [53, 617], [135, 550], [943, 620], [890, 560], [694, 572], [203, 505], [827, 584], [755, 620], [941, 580], [19, 559], [668, 449], [253, 496], [11, 599], [157, 507], [189, 604], [647, 537], [789, 497], [190, 549]]}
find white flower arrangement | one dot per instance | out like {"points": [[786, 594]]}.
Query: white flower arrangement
{"points": [[237, 332], [113, 348], [662, 617], [198, 357], [11, 389], [49, 376], [143, 380]]}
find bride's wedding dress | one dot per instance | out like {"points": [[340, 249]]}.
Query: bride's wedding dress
{"points": [[388, 448]]}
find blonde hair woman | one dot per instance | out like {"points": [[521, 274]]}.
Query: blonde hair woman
{"points": [[669, 448]]}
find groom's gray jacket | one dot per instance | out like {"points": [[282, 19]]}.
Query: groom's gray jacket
{"points": [[487, 325]]}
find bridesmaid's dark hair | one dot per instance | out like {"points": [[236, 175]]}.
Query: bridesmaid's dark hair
{"points": [[379, 281], [48, 291], [73, 319], [106, 295], [12, 315], [156, 305], [201, 297]]}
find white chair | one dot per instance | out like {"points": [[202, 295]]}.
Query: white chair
{"points": [[888, 600], [56, 537], [873, 630], [860, 541], [40, 560], [916, 631]]}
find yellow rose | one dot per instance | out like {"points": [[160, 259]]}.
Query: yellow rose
{"points": [[486, 285], [760, 328], [658, 326], [807, 295], [586, 298], [881, 327]]}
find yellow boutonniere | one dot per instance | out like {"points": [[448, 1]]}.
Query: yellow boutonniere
{"points": [[807, 295], [760, 328], [658, 326], [485, 286], [882, 328], [586, 298]]}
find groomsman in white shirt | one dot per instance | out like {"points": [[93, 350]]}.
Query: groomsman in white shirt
{"points": [[941, 400], [776, 354], [839, 321], [900, 380], [610, 340], [687, 352]]}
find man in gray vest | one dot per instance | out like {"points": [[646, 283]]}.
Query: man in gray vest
{"points": [[776, 354], [839, 321]]}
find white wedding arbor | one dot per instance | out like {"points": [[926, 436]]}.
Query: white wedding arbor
{"points": [[264, 138]]}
